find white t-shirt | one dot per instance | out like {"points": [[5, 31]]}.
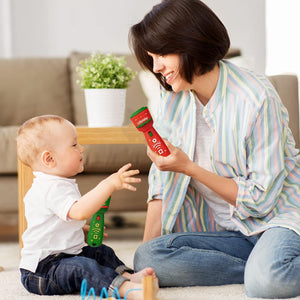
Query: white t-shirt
{"points": [[219, 207], [49, 231]]}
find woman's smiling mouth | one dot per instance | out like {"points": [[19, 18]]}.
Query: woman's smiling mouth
{"points": [[169, 77]]}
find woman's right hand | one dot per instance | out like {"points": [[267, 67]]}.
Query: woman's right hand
{"points": [[177, 161]]}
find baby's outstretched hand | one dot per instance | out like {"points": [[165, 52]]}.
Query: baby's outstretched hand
{"points": [[124, 177]]}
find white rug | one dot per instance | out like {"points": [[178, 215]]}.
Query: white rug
{"points": [[12, 289]]}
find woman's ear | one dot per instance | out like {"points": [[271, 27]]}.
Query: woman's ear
{"points": [[48, 159]]}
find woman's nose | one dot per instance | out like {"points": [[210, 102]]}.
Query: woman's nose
{"points": [[157, 65]]}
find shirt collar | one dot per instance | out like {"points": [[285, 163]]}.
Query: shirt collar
{"points": [[219, 93], [42, 175]]}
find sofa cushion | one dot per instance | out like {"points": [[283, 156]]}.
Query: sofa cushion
{"points": [[122, 200], [8, 151], [8, 192], [109, 158], [135, 97], [33, 86], [97, 158]]}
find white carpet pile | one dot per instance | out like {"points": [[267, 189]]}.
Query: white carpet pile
{"points": [[12, 289]]}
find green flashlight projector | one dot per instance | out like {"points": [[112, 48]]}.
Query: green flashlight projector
{"points": [[96, 231]]}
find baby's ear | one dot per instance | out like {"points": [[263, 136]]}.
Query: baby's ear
{"points": [[48, 159]]}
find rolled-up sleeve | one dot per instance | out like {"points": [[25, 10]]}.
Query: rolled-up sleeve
{"points": [[258, 192], [155, 184]]}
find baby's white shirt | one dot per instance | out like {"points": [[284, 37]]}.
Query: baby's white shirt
{"points": [[49, 231]]}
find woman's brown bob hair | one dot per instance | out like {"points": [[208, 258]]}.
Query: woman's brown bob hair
{"points": [[185, 27]]}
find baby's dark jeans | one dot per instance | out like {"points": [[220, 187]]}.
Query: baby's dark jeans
{"points": [[63, 273]]}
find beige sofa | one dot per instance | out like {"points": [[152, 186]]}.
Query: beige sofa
{"points": [[35, 86]]}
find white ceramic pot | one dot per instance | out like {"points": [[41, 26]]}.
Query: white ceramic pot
{"points": [[105, 107]]}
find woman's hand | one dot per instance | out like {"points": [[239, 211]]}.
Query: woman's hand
{"points": [[177, 161]]}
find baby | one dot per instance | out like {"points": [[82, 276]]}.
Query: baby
{"points": [[55, 258]]}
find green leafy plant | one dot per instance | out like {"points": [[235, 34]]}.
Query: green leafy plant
{"points": [[101, 71]]}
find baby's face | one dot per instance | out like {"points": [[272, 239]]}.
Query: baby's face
{"points": [[68, 154]]}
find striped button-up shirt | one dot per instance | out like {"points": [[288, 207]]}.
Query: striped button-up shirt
{"points": [[252, 144]]}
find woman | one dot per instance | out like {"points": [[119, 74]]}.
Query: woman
{"points": [[224, 206]]}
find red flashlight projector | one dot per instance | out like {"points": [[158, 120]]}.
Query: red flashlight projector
{"points": [[143, 121]]}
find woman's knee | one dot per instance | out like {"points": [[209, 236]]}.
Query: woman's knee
{"points": [[256, 280], [270, 280], [272, 269], [151, 253], [143, 257]]}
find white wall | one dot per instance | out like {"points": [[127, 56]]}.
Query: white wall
{"points": [[283, 24], [5, 28], [57, 27], [245, 23]]}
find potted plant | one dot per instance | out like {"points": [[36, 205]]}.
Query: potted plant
{"points": [[104, 78]]}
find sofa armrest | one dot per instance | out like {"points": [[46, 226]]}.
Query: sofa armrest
{"points": [[287, 88]]}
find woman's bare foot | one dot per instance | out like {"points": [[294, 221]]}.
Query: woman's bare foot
{"points": [[136, 280], [134, 291], [138, 276]]}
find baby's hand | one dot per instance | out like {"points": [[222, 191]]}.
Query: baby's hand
{"points": [[86, 229], [123, 178]]}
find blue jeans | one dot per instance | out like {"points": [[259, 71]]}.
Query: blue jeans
{"points": [[273, 267], [269, 262], [63, 273]]}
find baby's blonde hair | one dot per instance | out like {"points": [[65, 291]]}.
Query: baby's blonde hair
{"points": [[33, 137]]}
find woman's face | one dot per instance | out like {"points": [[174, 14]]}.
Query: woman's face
{"points": [[168, 66]]}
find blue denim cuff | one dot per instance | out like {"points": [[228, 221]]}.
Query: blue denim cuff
{"points": [[116, 283], [121, 269]]}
